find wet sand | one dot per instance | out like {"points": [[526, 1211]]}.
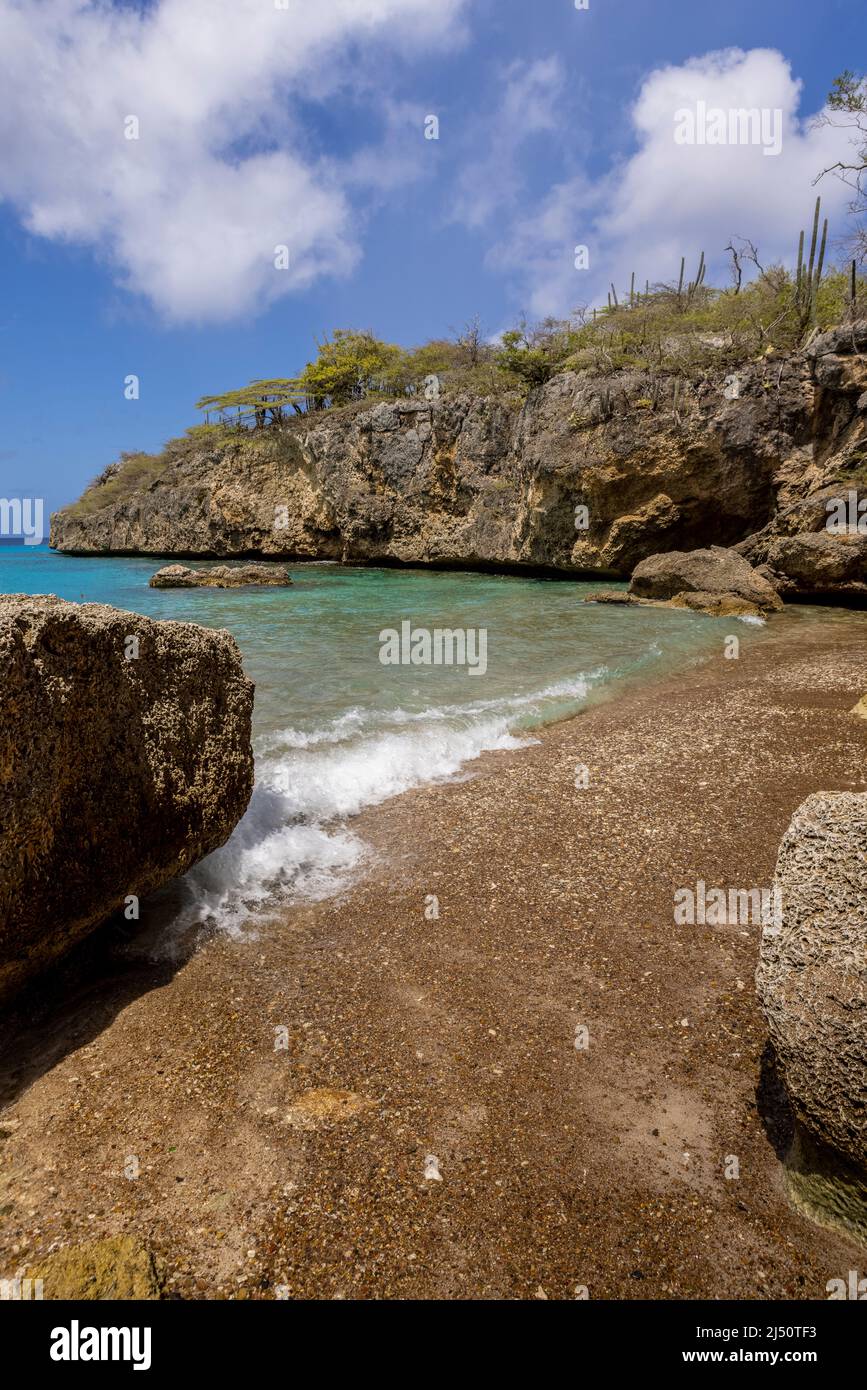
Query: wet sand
{"points": [[282, 1095]]}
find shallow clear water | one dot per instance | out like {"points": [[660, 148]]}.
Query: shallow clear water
{"points": [[336, 730]]}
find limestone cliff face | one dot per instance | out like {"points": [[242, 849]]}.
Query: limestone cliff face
{"points": [[658, 463]]}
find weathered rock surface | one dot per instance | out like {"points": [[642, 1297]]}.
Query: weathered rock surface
{"points": [[713, 605], [812, 985], [118, 770], [717, 605], [702, 579], [119, 1267], [819, 564], [615, 596], [219, 577], [493, 481]]}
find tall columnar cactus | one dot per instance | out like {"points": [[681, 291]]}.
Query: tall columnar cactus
{"points": [[807, 280], [699, 277]]}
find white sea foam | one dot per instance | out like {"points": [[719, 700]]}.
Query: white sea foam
{"points": [[295, 843]]}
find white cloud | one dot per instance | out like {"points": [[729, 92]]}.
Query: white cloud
{"points": [[669, 199], [491, 180], [190, 213]]}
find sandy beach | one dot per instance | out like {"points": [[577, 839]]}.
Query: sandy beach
{"points": [[284, 1096]]}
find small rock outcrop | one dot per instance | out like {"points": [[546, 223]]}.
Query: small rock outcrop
{"points": [[125, 757], [715, 580], [812, 985], [219, 577]]}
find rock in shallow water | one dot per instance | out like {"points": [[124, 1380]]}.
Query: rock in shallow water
{"points": [[712, 572], [219, 577], [125, 757], [812, 985]]}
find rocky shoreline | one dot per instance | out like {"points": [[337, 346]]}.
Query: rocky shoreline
{"points": [[588, 476], [281, 1097]]}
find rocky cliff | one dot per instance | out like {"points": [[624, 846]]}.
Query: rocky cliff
{"points": [[659, 463], [125, 757]]}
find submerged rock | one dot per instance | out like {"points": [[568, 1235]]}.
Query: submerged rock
{"points": [[125, 757], [708, 575], [220, 577], [812, 985]]}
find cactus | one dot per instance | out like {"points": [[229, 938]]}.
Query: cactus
{"points": [[813, 241], [699, 277], [807, 281], [614, 296], [693, 284]]}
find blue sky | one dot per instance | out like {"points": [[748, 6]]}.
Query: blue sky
{"points": [[312, 119]]}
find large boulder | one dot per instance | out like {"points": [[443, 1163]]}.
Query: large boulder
{"points": [[125, 757], [820, 564], [812, 985], [715, 571]]}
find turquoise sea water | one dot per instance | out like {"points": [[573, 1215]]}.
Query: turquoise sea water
{"points": [[336, 730]]}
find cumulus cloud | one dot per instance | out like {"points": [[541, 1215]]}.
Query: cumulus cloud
{"points": [[528, 105], [671, 199], [189, 214]]}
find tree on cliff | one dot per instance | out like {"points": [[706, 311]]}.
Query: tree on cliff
{"points": [[350, 366], [847, 108], [256, 403]]}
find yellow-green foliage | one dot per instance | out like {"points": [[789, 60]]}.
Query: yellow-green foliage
{"points": [[685, 327], [132, 473], [136, 472], [666, 331]]}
